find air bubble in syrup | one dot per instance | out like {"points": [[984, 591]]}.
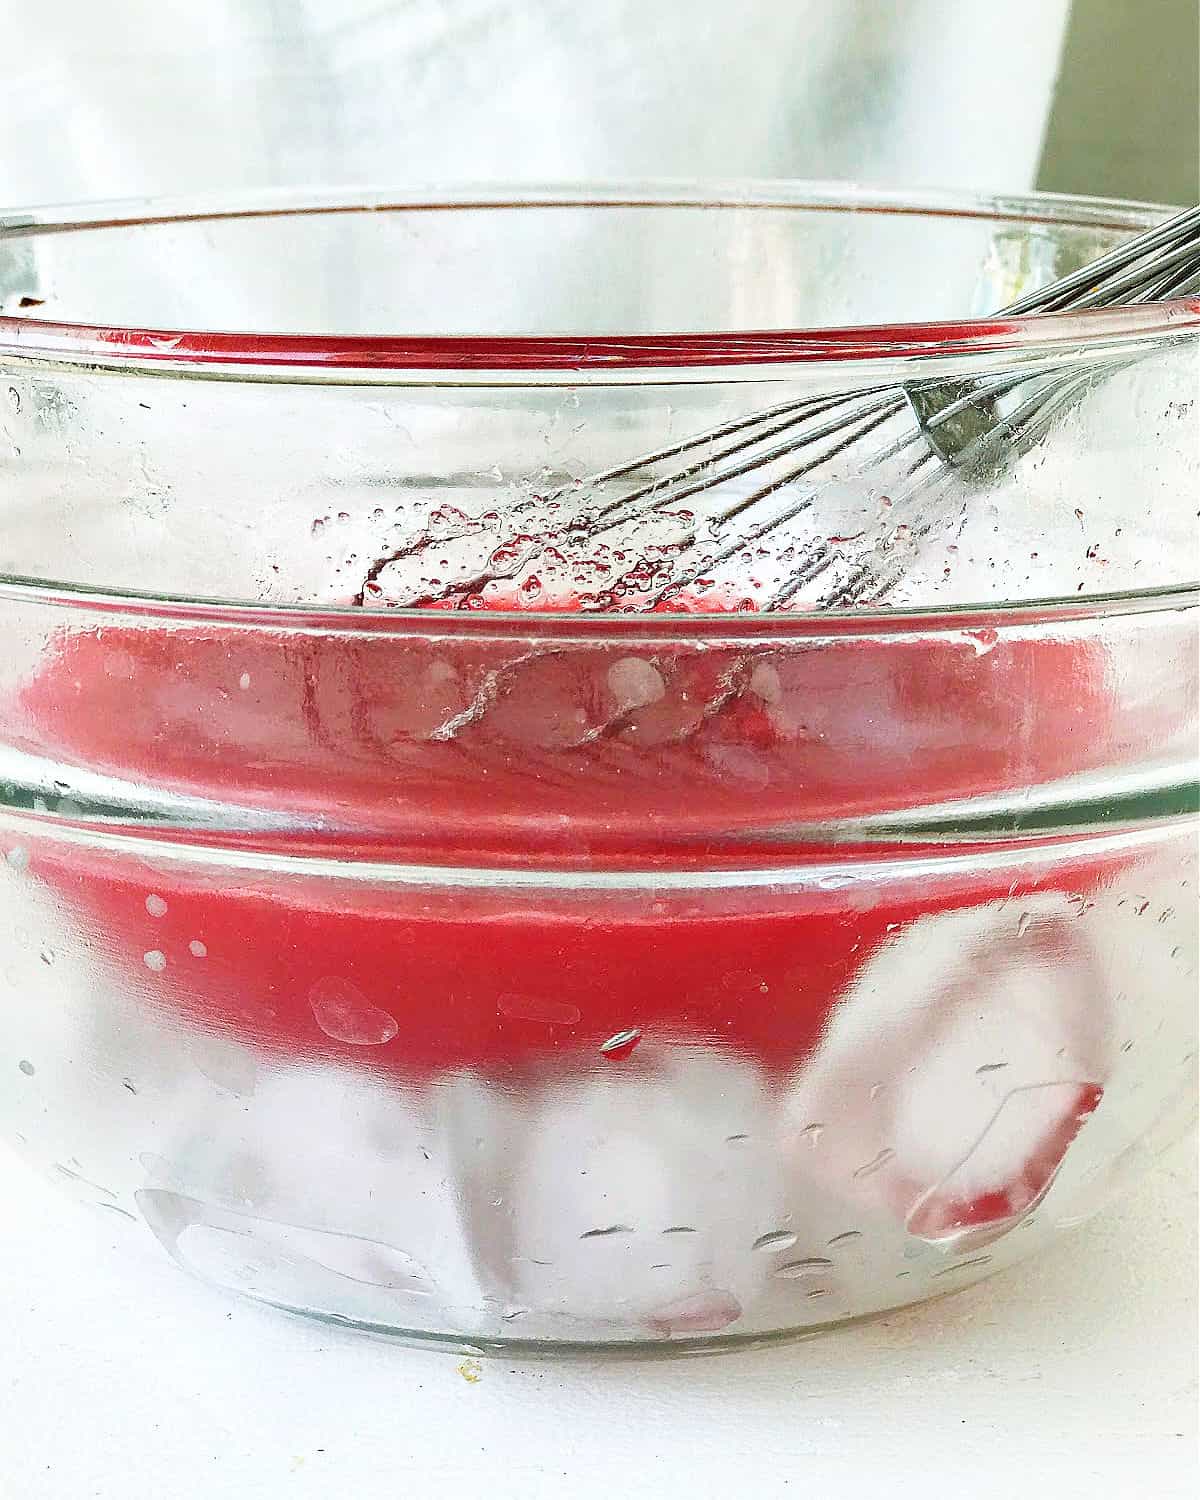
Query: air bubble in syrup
{"points": [[155, 961], [156, 906]]}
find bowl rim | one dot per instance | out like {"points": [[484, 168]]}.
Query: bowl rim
{"points": [[977, 623], [409, 359]]}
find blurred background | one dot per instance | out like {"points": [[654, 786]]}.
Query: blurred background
{"points": [[109, 98]]}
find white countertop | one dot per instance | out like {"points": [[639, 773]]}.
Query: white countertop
{"points": [[1074, 1376]]}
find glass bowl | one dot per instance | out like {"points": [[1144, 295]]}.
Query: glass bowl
{"points": [[546, 969]]}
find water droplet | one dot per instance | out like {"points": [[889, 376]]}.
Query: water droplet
{"points": [[344, 1013], [984, 1068], [318, 526], [796, 1270], [14, 398], [963, 1265], [155, 961], [47, 956], [537, 1008], [680, 1229], [876, 1090], [471, 1371], [845, 1237], [703, 1312], [868, 1169], [736, 1140], [343, 516], [818, 1291], [1024, 922], [17, 858], [621, 1043], [74, 1176], [27, 1067], [777, 1239], [156, 906], [115, 1208], [290, 1262], [607, 1232], [244, 681], [813, 1133], [128, 1084], [197, 949], [228, 1064]]}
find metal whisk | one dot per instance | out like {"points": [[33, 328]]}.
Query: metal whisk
{"points": [[926, 436]]}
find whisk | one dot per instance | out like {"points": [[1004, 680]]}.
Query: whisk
{"points": [[924, 436]]}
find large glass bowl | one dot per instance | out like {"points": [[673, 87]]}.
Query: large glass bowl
{"points": [[519, 974]]}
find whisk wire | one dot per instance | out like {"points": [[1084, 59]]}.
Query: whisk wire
{"points": [[1059, 294]]}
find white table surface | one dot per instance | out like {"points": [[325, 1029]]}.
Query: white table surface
{"points": [[1072, 1376]]}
